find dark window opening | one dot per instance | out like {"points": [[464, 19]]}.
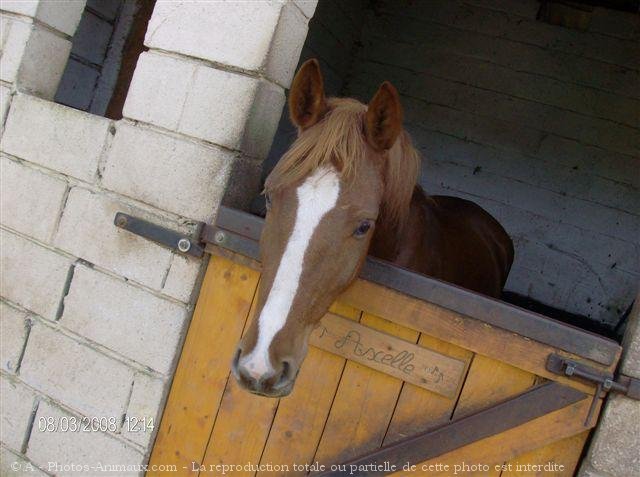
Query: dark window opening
{"points": [[106, 47]]}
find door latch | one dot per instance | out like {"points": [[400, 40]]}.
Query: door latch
{"points": [[605, 382]]}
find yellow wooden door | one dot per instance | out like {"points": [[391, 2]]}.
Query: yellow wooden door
{"points": [[341, 408]]}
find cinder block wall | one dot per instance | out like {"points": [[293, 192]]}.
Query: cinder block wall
{"points": [[92, 317], [537, 123]]}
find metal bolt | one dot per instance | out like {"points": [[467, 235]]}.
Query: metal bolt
{"points": [[184, 245], [219, 237], [122, 221]]}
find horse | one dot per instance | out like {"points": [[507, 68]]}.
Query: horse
{"points": [[345, 188]]}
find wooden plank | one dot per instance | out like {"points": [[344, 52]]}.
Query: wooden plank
{"points": [[419, 409], [404, 360], [460, 330], [301, 416], [241, 427], [363, 406], [489, 382], [240, 431], [558, 459], [201, 376], [495, 450]]}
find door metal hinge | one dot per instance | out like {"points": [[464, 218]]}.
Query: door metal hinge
{"points": [[605, 382], [188, 245]]}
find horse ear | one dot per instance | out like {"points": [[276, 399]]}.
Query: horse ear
{"points": [[307, 103], [383, 121]]}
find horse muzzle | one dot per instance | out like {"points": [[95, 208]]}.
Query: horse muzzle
{"points": [[276, 383]]}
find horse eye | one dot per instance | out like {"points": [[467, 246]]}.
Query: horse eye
{"points": [[362, 229]]}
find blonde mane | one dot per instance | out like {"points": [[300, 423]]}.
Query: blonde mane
{"points": [[339, 139]]}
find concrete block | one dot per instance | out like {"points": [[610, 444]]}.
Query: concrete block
{"points": [[16, 405], [308, 7], [182, 277], [631, 342], [32, 276], [175, 175], [123, 318], [55, 136], [43, 63], [610, 165], [522, 8], [86, 230], [567, 67], [567, 40], [286, 45], [207, 103], [5, 100], [233, 33], [243, 184], [77, 85], [262, 120], [63, 15], [15, 35], [15, 465], [13, 333], [615, 23], [474, 72], [143, 414], [92, 38], [57, 451], [617, 437], [33, 214], [21, 7], [217, 106], [74, 374], [159, 76], [587, 471], [106, 8]]}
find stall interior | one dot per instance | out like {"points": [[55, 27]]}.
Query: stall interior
{"points": [[530, 109]]}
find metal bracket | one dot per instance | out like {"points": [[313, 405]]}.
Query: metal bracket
{"points": [[626, 385], [605, 382], [161, 235]]}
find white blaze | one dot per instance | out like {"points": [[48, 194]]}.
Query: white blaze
{"points": [[316, 196]]}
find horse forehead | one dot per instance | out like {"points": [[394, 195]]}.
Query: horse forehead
{"points": [[323, 186]]}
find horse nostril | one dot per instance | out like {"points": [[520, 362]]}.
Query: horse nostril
{"points": [[285, 376], [236, 361]]}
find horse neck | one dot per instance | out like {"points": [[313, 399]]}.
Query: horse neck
{"points": [[392, 236]]}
